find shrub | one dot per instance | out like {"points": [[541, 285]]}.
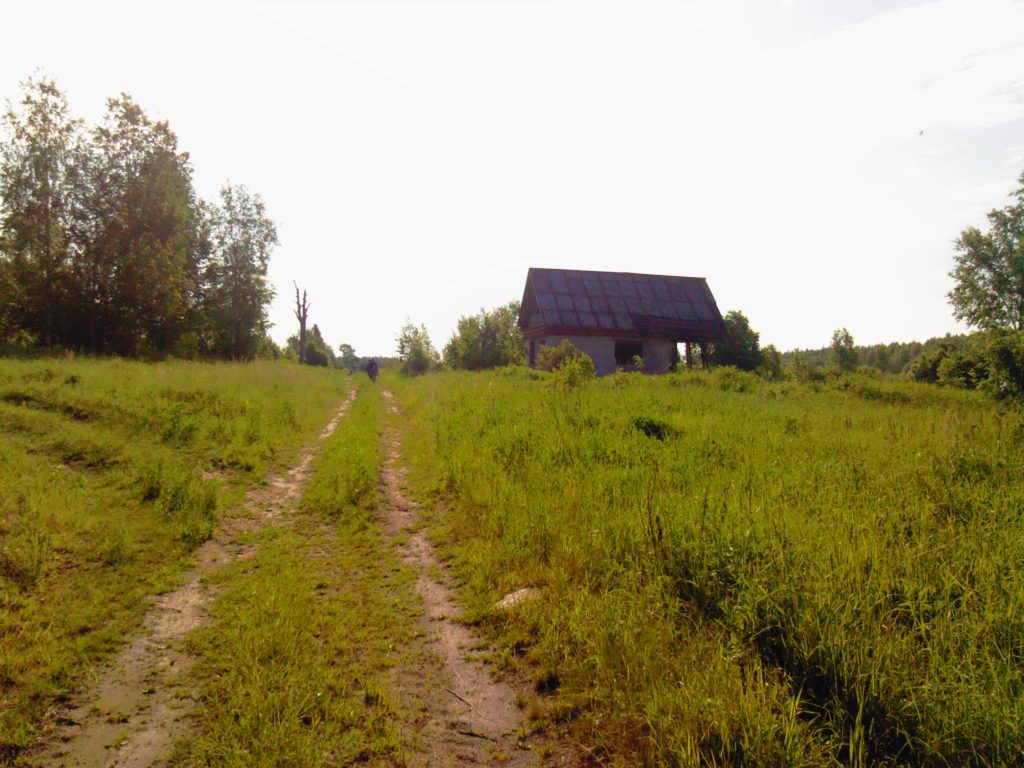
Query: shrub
{"points": [[416, 351], [1004, 354], [771, 364], [962, 370], [575, 371], [553, 358], [993, 362], [729, 379], [926, 367]]}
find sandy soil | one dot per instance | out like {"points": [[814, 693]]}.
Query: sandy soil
{"points": [[465, 715], [136, 709]]}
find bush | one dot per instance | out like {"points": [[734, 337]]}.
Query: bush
{"points": [[575, 371], [416, 351], [771, 364], [926, 367], [729, 379], [1004, 354], [993, 362], [553, 358], [962, 370]]}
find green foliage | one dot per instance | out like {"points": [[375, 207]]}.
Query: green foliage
{"points": [[318, 351], [926, 367], [742, 347], [347, 358], [488, 340], [771, 364], [844, 353], [104, 246], [236, 293], [991, 361], [554, 358], [797, 574], [415, 350], [989, 271], [111, 472], [574, 371], [42, 196], [1004, 361]]}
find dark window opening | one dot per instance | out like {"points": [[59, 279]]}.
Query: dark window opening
{"points": [[626, 350]]}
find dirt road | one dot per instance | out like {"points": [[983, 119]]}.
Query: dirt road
{"points": [[137, 708]]}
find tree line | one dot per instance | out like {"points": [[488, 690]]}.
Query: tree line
{"points": [[106, 248]]}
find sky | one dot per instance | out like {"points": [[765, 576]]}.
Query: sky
{"points": [[815, 161]]}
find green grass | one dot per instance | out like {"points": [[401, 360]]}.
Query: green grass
{"points": [[294, 670], [734, 572], [111, 472]]}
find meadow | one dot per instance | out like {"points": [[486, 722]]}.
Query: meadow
{"points": [[111, 473], [738, 572], [728, 571]]}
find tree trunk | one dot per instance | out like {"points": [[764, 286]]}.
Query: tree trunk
{"points": [[301, 314]]}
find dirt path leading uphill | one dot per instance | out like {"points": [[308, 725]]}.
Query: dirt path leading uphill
{"points": [[467, 717], [137, 708]]}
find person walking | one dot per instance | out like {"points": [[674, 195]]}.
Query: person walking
{"points": [[371, 369]]}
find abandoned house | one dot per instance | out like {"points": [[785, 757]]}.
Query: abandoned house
{"points": [[619, 317]]}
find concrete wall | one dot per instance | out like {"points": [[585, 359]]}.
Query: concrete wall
{"points": [[600, 349], [657, 353]]}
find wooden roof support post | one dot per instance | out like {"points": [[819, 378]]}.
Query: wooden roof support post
{"points": [[689, 357]]}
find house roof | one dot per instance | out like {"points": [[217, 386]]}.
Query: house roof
{"points": [[578, 302]]}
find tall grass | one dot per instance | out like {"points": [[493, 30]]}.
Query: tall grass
{"points": [[735, 572], [111, 472]]}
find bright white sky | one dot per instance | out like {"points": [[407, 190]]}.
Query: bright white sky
{"points": [[813, 160]]}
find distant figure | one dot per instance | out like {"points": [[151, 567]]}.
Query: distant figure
{"points": [[371, 369]]}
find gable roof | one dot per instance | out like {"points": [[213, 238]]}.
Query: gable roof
{"points": [[578, 302]]}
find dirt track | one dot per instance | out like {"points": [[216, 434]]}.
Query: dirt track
{"points": [[137, 707], [467, 717]]}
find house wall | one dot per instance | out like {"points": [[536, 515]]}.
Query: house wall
{"points": [[657, 353], [600, 349]]}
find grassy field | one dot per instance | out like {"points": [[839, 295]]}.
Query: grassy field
{"points": [[111, 473], [728, 571], [735, 572]]}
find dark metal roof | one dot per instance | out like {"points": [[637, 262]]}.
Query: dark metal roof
{"points": [[578, 302]]}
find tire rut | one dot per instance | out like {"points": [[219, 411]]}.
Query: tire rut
{"points": [[138, 706], [466, 715]]}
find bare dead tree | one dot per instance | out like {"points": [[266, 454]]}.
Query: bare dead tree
{"points": [[301, 314]]}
